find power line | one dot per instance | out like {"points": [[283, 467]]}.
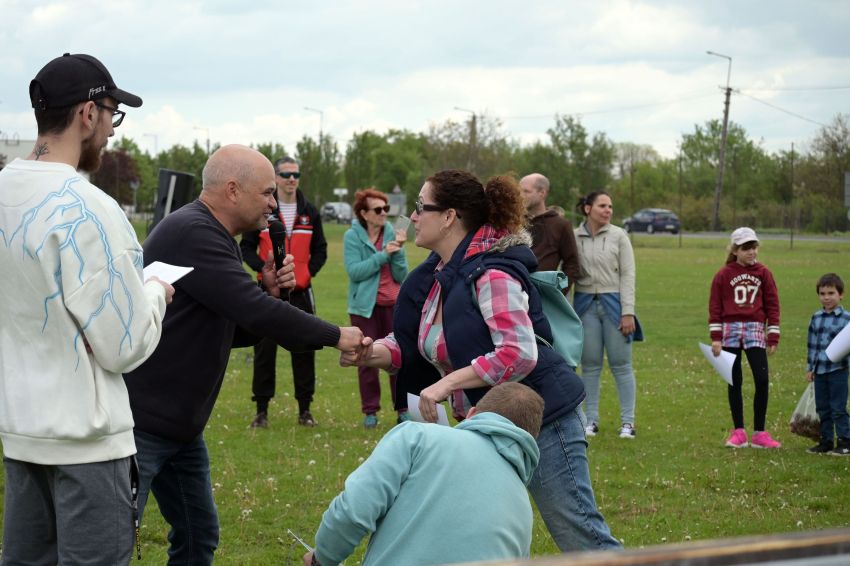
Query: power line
{"points": [[801, 88], [619, 109], [781, 109]]}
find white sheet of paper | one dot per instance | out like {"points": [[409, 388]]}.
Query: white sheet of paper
{"points": [[413, 407], [840, 345], [166, 272], [722, 364]]}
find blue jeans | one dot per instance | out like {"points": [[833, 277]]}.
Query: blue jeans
{"points": [[831, 403], [562, 490], [178, 473], [600, 332]]}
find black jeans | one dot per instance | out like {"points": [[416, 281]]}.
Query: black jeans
{"points": [[757, 357], [303, 363]]}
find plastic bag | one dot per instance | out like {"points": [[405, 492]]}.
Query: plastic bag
{"points": [[805, 420]]}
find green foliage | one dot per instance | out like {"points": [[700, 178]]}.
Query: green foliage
{"points": [[802, 191], [271, 150], [319, 163]]}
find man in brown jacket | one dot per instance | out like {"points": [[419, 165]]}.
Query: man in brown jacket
{"points": [[553, 239]]}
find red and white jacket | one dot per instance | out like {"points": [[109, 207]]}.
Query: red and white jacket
{"points": [[744, 294], [307, 244]]}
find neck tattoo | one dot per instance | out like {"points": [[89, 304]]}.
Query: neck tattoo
{"points": [[40, 149]]}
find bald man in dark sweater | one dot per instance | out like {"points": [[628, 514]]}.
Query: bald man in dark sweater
{"points": [[216, 307]]}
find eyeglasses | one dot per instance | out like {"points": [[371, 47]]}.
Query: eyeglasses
{"points": [[117, 115], [288, 174], [421, 207], [380, 209]]}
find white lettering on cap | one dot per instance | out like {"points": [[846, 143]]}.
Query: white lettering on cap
{"points": [[98, 90]]}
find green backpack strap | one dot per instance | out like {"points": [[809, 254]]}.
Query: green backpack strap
{"points": [[567, 329]]}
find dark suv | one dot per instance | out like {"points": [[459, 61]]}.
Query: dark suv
{"points": [[651, 220]]}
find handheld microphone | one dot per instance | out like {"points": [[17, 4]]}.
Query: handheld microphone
{"points": [[277, 234]]}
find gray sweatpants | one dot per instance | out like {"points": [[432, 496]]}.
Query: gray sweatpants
{"points": [[69, 515]]}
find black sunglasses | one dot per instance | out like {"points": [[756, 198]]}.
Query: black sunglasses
{"points": [[288, 174], [379, 209], [421, 207], [117, 115]]}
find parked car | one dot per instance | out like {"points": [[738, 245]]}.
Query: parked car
{"points": [[651, 220], [338, 212]]}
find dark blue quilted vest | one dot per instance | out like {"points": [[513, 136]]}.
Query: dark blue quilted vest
{"points": [[467, 335]]}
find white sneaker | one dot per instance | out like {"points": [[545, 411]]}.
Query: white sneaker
{"points": [[591, 429], [628, 431]]}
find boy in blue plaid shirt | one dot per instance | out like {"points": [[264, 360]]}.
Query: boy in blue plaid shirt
{"points": [[830, 377]]}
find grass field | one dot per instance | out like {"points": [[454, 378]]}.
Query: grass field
{"points": [[675, 482]]}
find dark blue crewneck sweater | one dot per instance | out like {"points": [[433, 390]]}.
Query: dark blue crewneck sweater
{"points": [[216, 307]]}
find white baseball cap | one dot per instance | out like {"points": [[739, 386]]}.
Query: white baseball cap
{"points": [[744, 235]]}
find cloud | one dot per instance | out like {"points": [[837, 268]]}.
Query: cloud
{"points": [[247, 71]]}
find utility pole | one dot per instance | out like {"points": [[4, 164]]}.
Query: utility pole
{"points": [[473, 141], [208, 137], [793, 214], [680, 197], [718, 189], [735, 188], [321, 121]]}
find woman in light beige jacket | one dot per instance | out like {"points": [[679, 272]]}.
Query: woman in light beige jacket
{"points": [[605, 301]]}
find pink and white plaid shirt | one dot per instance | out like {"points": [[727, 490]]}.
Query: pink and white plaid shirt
{"points": [[504, 306]]}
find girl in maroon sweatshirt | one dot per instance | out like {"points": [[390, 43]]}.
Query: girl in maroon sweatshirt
{"points": [[744, 299]]}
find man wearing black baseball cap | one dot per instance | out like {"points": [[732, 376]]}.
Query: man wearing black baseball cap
{"points": [[66, 94], [75, 315]]}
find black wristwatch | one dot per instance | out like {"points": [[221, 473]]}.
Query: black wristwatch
{"points": [[313, 561]]}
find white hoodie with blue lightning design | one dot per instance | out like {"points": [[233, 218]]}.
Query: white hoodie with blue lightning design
{"points": [[70, 276]]}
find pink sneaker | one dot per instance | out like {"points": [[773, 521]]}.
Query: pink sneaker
{"points": [[763, 440], [738, 439]]}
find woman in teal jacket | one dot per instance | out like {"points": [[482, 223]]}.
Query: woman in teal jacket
{"points": [[376, 264]]}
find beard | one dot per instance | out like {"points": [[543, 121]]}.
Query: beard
{"points": [[90, 156]]}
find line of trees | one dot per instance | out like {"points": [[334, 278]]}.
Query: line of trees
{"points": [[802, 190]]}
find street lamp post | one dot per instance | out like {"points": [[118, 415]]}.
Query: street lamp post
{"points": [[473, 140], [718, 189], [321, 120], [208, 137]]}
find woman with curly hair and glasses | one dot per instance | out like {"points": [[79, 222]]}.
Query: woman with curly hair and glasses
{"points": [[448, 344], [376, 263]]}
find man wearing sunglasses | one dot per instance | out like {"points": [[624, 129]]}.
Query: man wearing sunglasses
{"points": [[75, 315], [305, 240]]}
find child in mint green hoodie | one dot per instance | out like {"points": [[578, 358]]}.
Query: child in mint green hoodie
{"points": [[431, 494]]}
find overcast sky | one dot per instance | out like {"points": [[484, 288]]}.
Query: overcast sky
{"points": [[246, 70]]}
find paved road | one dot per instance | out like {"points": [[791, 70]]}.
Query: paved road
{"points": [[727, 235]]}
